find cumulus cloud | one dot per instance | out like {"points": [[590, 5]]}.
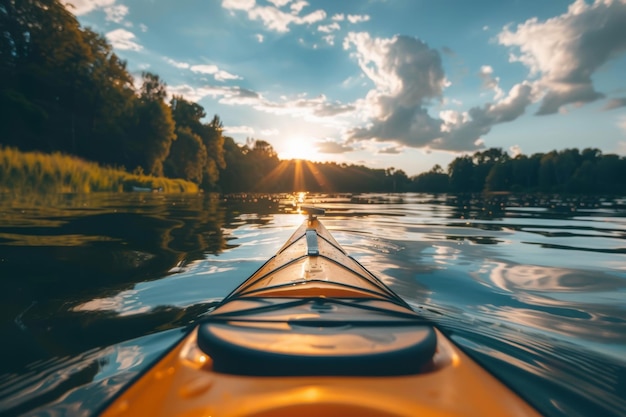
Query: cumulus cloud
{"points": [[296, 7], [116, 13], [81, 7], [218, 74], [113, 12], [462, 128], [332, 147], [408, 78], [259, 37], [273, 17], [279, 3], [339, 17], [124, 40], [563, 52], [491, 82], [408, 75], [238, 4], [358, 18], [329, 28]]}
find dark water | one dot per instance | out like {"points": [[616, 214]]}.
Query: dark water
{"points": [[94, 288]]}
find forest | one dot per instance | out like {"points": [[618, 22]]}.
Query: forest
{"points": [[63, 90]]}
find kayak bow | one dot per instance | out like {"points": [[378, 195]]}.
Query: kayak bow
{"points": [[314, 333]]}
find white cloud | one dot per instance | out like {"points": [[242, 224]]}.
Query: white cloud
{"points": [[358, 18], [408, 75], [318, 109], [408, 78], [272, 17], [339, 17], [116, 13], [182, 65], [259, 37], [463, 129], [279, 3], [297, 6], [329, 28], [81, 7], [234, 130], [113, 12], [490, 82], [226, 95], [143, 27], [124, 40], [515, 150], [308, 108], [566, 50], [218, 74], [330, 39], [238, 4], [204, 69]]}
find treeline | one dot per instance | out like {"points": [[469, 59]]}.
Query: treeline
{"points": [[491, 170], [565, 171]]}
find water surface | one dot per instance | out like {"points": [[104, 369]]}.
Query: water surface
{"points": [[94, 288]]}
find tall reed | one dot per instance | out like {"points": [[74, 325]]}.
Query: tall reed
{"points": [[56, 172]]}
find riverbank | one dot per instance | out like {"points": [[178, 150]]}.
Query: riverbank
{"points": [[56, 172]]}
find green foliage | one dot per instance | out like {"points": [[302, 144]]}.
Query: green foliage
{"points": [[565, 171], [205, 166], [25, 172], [433, 181]]}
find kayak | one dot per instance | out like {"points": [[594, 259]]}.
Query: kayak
{"points": [[314, 333]]}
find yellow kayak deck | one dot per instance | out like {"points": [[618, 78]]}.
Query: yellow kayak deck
{"points": [[313, 333]]}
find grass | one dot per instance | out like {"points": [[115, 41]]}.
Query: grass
{"points": [[56, 172]]}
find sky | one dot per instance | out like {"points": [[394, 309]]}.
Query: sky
{"points": [[402, 84]]}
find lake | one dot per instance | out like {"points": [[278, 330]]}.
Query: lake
{"points": [[93, 288]]}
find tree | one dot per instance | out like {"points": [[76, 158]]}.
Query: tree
{"points": [[433, 181], [213, 140], [461, 173], [187, 157], [483, 163], [154, 128], [43, 61]]}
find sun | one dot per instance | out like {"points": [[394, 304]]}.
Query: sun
{"points": [[299, 148]]}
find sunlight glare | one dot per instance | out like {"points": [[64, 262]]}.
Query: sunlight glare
{"points": [[299, 148]]}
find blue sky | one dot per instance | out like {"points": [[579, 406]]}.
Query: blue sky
{"points": [[386, 83]]}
